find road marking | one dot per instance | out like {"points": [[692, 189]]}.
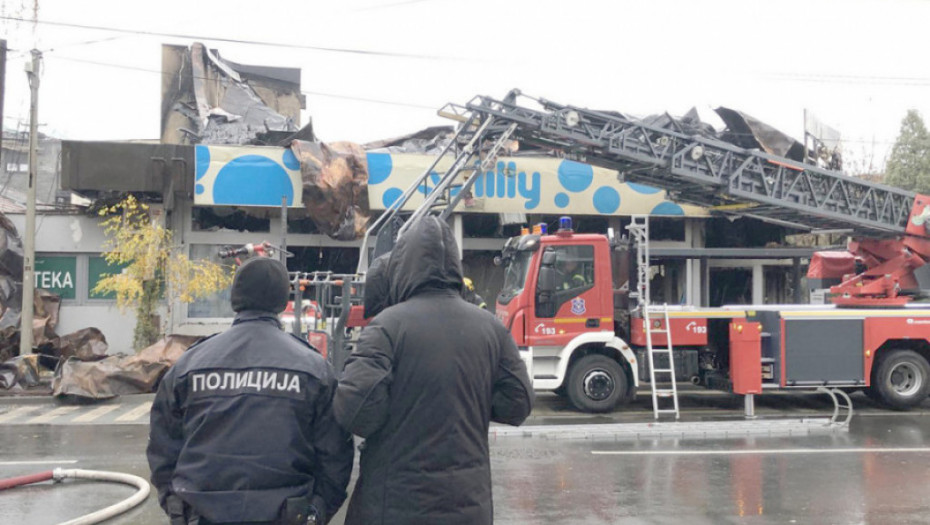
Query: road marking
{"points": [[48, 416], [17, 412], [95, 413], [906, 450], [38, 462], [136, 413]]}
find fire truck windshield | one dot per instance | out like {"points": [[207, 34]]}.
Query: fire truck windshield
{"points": [[515, 276]]}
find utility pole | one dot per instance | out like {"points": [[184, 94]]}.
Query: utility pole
{"points": [[2, 84], [29, 240]]}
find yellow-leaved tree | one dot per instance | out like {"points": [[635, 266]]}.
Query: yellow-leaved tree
{"points": [[152, 268]]}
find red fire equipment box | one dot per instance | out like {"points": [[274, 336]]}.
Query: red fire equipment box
{"points": [[746, 356]]}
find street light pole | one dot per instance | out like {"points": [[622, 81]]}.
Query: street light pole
{"points": [[29, 235]]}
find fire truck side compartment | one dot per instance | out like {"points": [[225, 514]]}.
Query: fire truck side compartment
{"points": [[771, 341], [686, 363], [818, 351]]}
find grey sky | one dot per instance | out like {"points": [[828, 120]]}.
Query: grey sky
{"points": [[856, 64]]}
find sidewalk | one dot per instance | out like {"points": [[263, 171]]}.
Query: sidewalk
{"points": [[31, 397]]}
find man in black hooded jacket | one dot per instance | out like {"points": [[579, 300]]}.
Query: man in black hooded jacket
{"points": [[429, 373], [242, 428]]}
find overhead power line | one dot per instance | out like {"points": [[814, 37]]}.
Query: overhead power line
{"points": [[826, 78], [231, 40], [368, 99], [390, 5], [389, 102], [312, 93]]}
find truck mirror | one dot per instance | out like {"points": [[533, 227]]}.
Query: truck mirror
{"points": [[548, 260], [546, 279]]}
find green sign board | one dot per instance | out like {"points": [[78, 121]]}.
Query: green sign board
{"points": [[57, 275], [97, 268]]}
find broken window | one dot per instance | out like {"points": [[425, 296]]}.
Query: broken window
{"points": [[301, 225], [220, 218]]}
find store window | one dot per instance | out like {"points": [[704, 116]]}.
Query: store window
{"points": [[97, 269], [217, 305]]}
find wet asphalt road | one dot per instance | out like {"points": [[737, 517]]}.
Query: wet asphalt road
{"points": [[877, 472]]}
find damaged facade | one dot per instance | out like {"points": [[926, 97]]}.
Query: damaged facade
{"points": [[208, 100], [232, 146]]}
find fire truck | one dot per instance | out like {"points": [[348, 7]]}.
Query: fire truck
{"points": [[560, 296]]}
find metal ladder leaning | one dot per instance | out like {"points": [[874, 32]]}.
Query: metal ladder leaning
{"points": [[639, 232], [652, 351]]}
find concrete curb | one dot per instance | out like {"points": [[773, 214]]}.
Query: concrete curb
{"points": [[8, 400], [699, 429]]}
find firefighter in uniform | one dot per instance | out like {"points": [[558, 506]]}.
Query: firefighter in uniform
{"points": [[242, 428], [571, 275], [470, 295]]}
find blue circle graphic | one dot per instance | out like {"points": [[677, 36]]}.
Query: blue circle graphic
{"points": [[290, 160], [199, 189], [667, 208], [561, 199], [391, 196], [642, 188], [201, 160], [252, 180], [575, 176], [606, 200], [379, 167]]}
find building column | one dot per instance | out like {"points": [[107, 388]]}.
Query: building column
{"points": [[457, 229], [694, 270], [796, 277], [758, 288], [703, 269]]}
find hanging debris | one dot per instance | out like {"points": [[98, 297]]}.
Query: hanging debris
{"points": [[335, 186], [750, 133]]}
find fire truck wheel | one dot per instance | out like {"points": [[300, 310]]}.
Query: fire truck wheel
{"points": [[902, 379], [596, 383]]}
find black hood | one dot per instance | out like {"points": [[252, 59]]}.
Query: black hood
{"points": [[261, 284], [425, 257], [377, 286]]}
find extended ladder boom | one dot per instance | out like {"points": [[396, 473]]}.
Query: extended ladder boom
{"points": [[703, 170], [692, 168]]}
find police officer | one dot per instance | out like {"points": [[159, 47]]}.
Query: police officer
{"points": [[242, 428]]}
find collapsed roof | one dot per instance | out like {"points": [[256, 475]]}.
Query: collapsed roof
{"points": [[208, 100]]}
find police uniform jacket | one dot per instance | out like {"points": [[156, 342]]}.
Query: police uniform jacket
{"points": [[244, 421]]}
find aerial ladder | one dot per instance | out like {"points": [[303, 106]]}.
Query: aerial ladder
{"points": [[889, 223]]}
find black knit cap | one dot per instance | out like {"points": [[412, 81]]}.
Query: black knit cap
{"points": [[261, 284]]}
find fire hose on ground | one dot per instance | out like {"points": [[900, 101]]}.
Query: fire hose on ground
{"points": [[58, 474]]}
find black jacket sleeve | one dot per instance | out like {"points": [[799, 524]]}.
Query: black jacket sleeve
{"points": [[361, 401], [512, 398], [165, 438], [335, 452]]}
